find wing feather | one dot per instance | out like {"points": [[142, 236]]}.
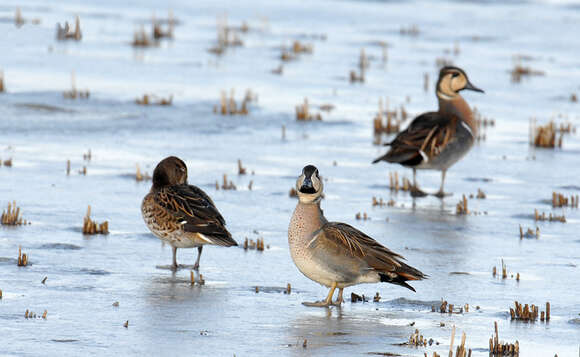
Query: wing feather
{"points": [[427, 135], [196, 212], [360, 245]]}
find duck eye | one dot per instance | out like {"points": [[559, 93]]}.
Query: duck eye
{"points": [[455, 74]]}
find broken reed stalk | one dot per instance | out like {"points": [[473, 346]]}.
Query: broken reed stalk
{"points": [[295, 51], [417, 340], [92, 227], [67, 33], [530, 233], [228, 105], [225, 184], [303, 112], [288, 290], [451, 343], [74, 93], [227, 36], [152, 99], [241, 169], [201, 281], [363, 64], [378, 202], [504, 274], [545, 136], [2, 88], [520, 71], [391, 123], [254, 245], [139, 176], [550, 218], [364, 216], [529, 313], [445, 307], [67, 167], [499, 348], [22, 258], [88, 156], [158, 32], [394, 185], [559, 200], [11, 217], [461, 207], [503, 270]]}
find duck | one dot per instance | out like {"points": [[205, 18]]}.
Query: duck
{"points": [[337, 255], [437, 140], [182, 215]]}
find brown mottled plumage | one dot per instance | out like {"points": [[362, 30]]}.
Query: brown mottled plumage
{"points": [[180, 214], [335, 254], [437, 140]]}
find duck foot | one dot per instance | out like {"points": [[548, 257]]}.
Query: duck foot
{"points": [[417, 192], [322, 303], [442, 194]]}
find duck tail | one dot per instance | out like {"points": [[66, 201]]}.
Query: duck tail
{"points": [[398, 280], [380, 158], [401, 277]]}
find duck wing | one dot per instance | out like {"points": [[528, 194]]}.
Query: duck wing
{"points": [[195, 212], [424, 138], [350, 242]]}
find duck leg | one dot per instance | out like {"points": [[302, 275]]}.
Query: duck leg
{"points": [[415, 190], [324, 303], [174, 265], [442, 193], [196, 265], [339, 299]]}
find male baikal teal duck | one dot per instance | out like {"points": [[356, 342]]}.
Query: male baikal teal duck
{"points": [[437, 140], [335, 254], [182, 215]]}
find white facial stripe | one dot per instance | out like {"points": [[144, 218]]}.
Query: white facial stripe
{"points": [[444, 96]]}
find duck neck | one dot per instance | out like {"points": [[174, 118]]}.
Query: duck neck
{"points": [[459, 108], [307, 217]]}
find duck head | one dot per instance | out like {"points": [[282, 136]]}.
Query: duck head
{"points": [[170, 171], [309, 185], [453, 80]]}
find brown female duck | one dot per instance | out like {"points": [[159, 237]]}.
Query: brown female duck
{"points": [[180, 214]]}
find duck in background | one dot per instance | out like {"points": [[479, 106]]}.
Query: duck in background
{"points": [[437, 140]]}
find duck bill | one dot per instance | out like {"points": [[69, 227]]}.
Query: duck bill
{"points": [[307, 186], [470, 86]]}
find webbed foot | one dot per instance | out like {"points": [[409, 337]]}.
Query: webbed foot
{"points": [[322, 303], [417, 192], [442, 194]]}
